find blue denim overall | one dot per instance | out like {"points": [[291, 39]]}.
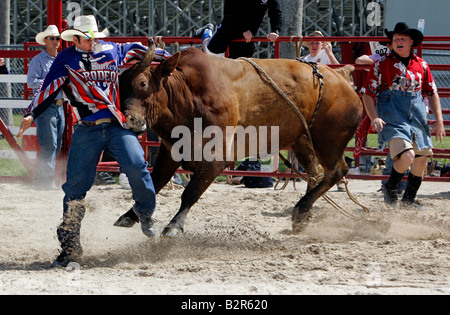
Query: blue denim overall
{"points": [[405, 116]]}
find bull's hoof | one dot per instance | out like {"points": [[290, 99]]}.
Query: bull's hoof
{"points": [[127, 220], [300, 220], [171, 232]]}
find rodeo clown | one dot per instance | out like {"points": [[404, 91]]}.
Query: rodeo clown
{"points": [[400, 81], [88, 73]]}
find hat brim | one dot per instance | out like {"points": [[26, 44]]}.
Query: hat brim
{"points": [[68, 35], [416, 35], [41, 36]]}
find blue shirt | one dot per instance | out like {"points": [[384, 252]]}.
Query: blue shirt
{"points": [[38, 68]]}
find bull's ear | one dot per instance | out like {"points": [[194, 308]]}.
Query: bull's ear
{"points": [[166, 67]]}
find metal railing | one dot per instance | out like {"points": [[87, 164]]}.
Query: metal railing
{"points": [[174, 42]]}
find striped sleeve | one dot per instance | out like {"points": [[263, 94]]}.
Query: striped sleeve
{"points": [[53, 81], [43, 93], [133, 51]]}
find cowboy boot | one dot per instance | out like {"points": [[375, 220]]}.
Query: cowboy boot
{"points": [[412, 186], [390, 187]]}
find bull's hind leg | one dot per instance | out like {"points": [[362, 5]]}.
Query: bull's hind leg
{"points": [[302, 210], [308, 160], [205, 173]]}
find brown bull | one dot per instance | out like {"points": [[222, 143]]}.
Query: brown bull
{"points": [[224, 92]]}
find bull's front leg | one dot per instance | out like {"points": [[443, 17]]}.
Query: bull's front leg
{"points": [[205, 173], [163, 170]]}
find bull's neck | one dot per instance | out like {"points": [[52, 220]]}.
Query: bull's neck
{"points": [[178, 106]]}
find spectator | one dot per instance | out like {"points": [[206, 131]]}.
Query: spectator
{"points": [[398, 81], [50, 125], [3, 68], [242, 20], [320, 51]]}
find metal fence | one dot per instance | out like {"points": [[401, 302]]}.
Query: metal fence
{"points": [[15, 91]]}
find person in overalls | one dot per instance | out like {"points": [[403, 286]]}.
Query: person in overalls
{"points": [[400, 81]]}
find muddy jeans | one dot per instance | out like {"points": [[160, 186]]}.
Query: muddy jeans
{"points": [[88, 142]]}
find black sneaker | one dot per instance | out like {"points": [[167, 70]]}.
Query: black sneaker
{"points": [[390, 196], [147, 227], [199, 32], [103, 178]]}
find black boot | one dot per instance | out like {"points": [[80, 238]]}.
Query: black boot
{"points": [[412, 187], [69, 234], [390, 188]]}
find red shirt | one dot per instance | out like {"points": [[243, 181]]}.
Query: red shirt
{"points": [[391, 72]]}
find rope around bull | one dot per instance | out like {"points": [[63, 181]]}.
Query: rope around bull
{"points": [[316, 72]]}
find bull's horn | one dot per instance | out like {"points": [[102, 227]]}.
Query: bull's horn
{"points": [[149, 56]]}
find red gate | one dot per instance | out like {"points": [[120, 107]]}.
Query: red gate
{"points": [[347, 58]]}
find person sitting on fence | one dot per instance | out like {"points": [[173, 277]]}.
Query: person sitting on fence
{"points": [[398, 81], [242, 19]]}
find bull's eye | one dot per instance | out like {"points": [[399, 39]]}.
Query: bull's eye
{"points": [[143, 85]]}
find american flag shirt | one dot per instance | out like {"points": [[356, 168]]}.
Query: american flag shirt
{"points": [[390, 72], [91, 79]]}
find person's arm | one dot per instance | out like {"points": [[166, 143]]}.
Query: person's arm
{"points": [[37, 111], [364, 60], [430, 91], [369, 90], [132, 51], [369, 105], [435, 106], [35, 77], [329, 51], [275, 16], [273, 37], [47, 93]]}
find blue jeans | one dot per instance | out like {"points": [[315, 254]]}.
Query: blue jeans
{"points": [[84, 155], [405, 116], [50, 129]]}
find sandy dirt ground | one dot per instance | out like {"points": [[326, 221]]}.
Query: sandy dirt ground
{"points": [[236, 241]]}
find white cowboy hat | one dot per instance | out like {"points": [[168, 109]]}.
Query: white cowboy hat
{"points": [[84, 25], [51, 30]]}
